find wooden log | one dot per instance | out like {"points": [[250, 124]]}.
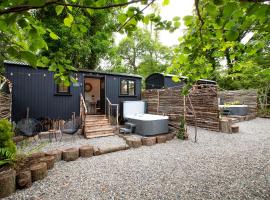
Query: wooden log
{"points": [[86, 151], [235, 128], [56, 153], [105, 150], [170, 136], [7, 182], [97, 151], [35, 157], [134, 142], [149, 141], [161, 138], [38, 171], [225, 125], [24, 179], [70, 154], [49, 160]]}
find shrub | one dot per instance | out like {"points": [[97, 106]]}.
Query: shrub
{"points": [[7, 147], [182, 129]]}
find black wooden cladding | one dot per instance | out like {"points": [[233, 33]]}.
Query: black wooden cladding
{"points": [[35, 89]]}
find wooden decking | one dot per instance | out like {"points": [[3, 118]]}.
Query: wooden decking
{"points": [[98, 126]]}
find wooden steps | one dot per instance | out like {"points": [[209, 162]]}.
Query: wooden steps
{"points": [[98, 126]]}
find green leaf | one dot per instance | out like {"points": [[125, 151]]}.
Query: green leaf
{"points": [[229, 8], [68, 20], [29, 57], [73, 79], [59, 9], [53, 36], [53, 67], [122, 18], [177, 24], [188, 20], [3, 25], [165, 2], [90, 11], [176, 18], [175, 79], [232, 35]]}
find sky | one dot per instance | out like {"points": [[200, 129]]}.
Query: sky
{"points": [[179, 8]]}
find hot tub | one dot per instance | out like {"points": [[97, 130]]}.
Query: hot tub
{"points": [[235, 109], [148, 125]]}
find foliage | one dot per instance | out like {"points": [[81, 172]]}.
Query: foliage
{"points": [[182, 129], [218, 36], [88, 39], [7, 146], [140, 53], [24, 35]]}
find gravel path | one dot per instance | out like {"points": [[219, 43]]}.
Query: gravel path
{"points": [[219, 166], [68, 142]]}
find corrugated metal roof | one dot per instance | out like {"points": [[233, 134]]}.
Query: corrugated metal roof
{"points": [[80, 70]]}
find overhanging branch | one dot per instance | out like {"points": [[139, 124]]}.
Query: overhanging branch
{"points": [[126, 22], [22, 8]]}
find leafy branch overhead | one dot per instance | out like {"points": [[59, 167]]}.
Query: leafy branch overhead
{"points": [[26, 37]]}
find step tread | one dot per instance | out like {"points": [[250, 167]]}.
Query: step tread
{"points": [[101, 129]]}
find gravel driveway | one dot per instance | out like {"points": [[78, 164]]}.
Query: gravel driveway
{"points": [[219, 166]]}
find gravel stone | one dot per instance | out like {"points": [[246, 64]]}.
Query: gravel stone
{"points": [[219, 166]]}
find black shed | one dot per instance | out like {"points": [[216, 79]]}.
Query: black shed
{"points": [[161, 80], [36, 89]]}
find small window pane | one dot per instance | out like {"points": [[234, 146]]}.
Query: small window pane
{"points": [[61, 88], [124, 87], [131, 88]]}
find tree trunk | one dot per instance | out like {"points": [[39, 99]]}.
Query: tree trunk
{"points": [[7, 182]]}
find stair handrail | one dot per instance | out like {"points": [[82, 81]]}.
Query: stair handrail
{"points": [[110, 105]]}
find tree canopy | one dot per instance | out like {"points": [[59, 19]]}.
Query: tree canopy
{"points": [[26, 35], [214, 45]]}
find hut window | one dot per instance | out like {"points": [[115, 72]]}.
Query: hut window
{"points": [[127, 87], [62, 88]]}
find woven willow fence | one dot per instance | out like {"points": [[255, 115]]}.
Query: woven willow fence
{"points": [[201, 104], [5, 98]]}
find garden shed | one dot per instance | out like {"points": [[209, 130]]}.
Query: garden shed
{"points": [[161, 80]]}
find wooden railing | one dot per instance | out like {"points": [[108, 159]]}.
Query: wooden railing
{"points": [[83, 110], [109, 109]]}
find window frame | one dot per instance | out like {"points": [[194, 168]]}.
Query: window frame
{"points": [[59, 93], [128, 87]]}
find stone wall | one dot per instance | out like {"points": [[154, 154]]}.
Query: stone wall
{"points": [[170, 102], [246, 97]]}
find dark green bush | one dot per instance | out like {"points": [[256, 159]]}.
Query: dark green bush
{"points": [[7, 147]]}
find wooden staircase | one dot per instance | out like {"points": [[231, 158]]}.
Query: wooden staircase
{"points": [[98, 126]]}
